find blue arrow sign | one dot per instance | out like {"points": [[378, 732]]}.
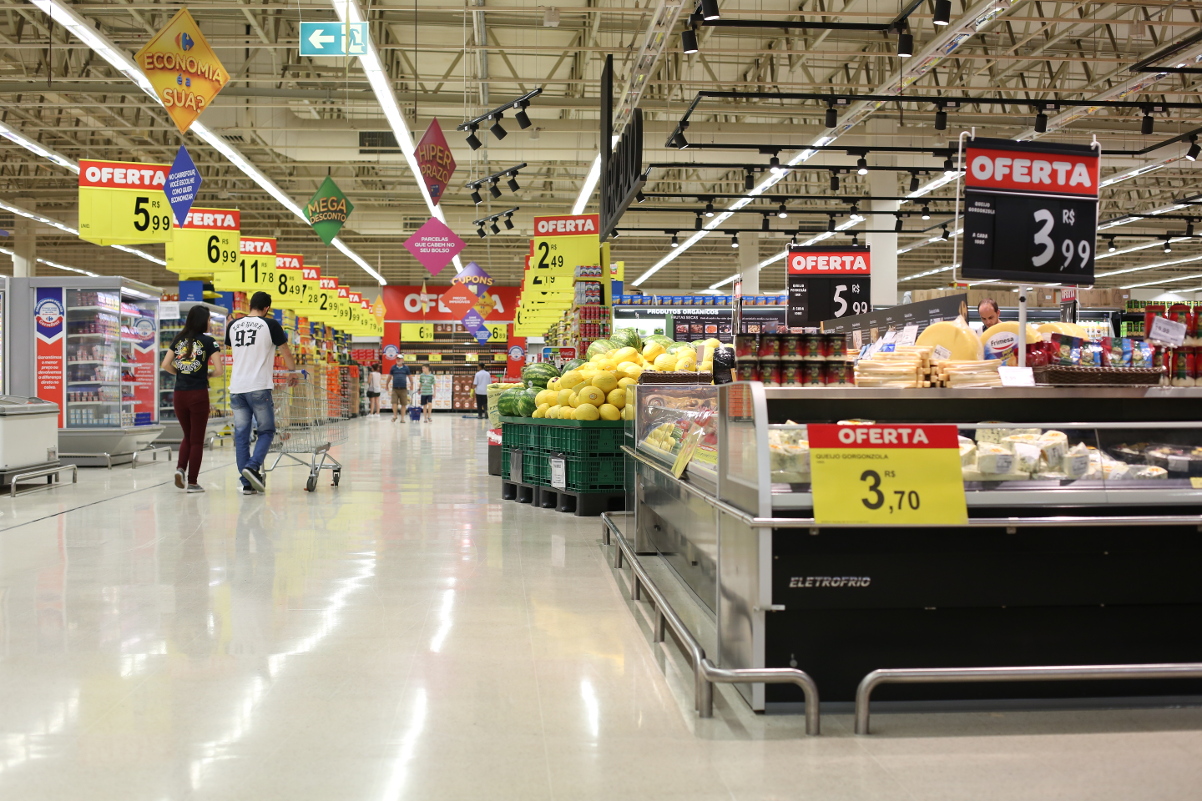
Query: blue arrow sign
{"points": [[333, 38]]}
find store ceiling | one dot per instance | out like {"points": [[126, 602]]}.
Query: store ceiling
{"points": [[298, 118]]}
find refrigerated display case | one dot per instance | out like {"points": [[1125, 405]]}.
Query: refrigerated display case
{"points": [[219, 407], [91, 346], [1078, 549]]}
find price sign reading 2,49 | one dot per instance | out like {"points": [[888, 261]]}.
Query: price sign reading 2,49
{"points": [[885, 475]]}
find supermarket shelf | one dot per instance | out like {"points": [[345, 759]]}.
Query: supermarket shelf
{"points": [[93, 403], [93, 383], [111, 337], [110, 362], [104, 309]]}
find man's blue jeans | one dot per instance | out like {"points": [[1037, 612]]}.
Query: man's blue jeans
{"points": [[259, 407]]}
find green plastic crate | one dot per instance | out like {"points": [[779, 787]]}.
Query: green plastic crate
{"points": [[518, 435], [536, 470], [606, 441], [591, 473]]}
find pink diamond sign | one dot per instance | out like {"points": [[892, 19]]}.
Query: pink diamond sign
{"points": [[434, 245]]}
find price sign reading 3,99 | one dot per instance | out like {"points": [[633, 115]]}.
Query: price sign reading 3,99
{"points": [[826, 283], [1031, 211], [884, 475]]}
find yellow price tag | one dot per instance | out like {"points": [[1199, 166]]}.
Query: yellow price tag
{"points": [[884, 475], [255, 253], [209, 242], [471, 357], [539, 282], [417, 332], [435, 357], [1195, 482], [289, 285], [561, 244], [500, 357], [327, 301], [122, 203]]}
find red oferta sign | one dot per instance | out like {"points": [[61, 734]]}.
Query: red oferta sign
{"points": [[818, 262], [1031, 171]]}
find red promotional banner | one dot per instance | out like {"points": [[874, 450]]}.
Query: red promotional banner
{"points": [[567, 225], [837, 262], [516, 358], [435, 161], [887, 436], [50, 334], [122, 174], [404, 304], [1032, 171]]}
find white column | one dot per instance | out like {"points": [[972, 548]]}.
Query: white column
{"points": [[25, 244], [884, 246], [749, 257]]}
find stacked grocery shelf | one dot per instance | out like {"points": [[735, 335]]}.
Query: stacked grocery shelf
{"points": [[793, 360], [454, 356]]}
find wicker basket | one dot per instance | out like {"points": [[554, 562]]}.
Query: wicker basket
{"points": [[1066, 375]]}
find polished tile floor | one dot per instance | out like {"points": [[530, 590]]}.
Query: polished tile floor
{"points": [[408, 635]]}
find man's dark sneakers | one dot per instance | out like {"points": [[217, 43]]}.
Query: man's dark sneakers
{"points": [[255, 479]]}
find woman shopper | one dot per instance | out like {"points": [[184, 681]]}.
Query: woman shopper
{"points": [[375, 383], [188, 358], [426, 382]]}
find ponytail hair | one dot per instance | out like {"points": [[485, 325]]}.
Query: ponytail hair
{"points": [[196, 323]]}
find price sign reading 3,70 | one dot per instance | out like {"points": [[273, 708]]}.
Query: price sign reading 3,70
{"points": [[897, 474]]}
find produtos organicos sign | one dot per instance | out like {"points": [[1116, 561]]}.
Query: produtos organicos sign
{"points": [[184, 71]]}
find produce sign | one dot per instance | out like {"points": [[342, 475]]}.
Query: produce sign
{"points": [[434, 245], [209, 242], [435, 161], [327, 210], [887, 475], [826, 282], [122, 203], [255, 255], [1031, 211], [184, 71]]}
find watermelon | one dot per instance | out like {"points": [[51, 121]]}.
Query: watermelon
{"points": [[675, 346], [507, 402], [660, 338], [600, 346], [573, 364], [538, 374], [524, 406], [627, 338]]}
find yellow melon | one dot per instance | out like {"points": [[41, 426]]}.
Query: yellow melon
{"points": [[627, 382], [553, 412], [652, 349], [686, 365], [587, 411], [622, 354], [563, 396], [606, 382], [617, 397], [629, 370], [574, 401], [665, 362], [590, 395], [610, 412]]}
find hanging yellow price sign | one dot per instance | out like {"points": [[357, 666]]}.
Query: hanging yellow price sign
{"points": [[208, 242], [417, 332], [435, 357], [288, 287], [311, 292], [563, 243], [887, 475], [500, 357], [327, 301], [122, 203], [255, 254]]}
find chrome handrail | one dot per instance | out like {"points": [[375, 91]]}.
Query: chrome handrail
{"points": [[1186, 670], [49, 471], [705, 672]]}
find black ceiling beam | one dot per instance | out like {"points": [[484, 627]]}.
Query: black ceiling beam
{"points": [[883, 27], [514, 104], [778, 197], [1148, 64]]}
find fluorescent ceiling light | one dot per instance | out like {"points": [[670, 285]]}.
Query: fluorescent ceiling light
{"points": [[1142, 267], [1170, 280], [34, 147], [590, 180], [853, 220], [49, 263], [64, 16], [53, 223], [924, 274]]}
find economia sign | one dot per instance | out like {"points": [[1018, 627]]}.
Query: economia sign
{"points": [[184, 71]]}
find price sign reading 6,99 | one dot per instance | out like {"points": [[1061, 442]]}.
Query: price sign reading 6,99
{"points": [[209, 242], [1030, 211], [884, 475], [122, 203], [826, 283]]}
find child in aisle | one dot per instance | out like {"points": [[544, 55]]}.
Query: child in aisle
{"points": [[188, 358], [426, 381]]}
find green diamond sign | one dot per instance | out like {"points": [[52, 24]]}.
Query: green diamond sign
{"points": [[327, 210]]}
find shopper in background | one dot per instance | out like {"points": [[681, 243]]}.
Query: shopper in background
{"points": [[426, 382], [375, 384], [254, 340], [989, 313], [481, 380], [399, 376], [188, 359]]}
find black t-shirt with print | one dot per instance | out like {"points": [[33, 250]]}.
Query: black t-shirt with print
{"points": [[191, 362]]}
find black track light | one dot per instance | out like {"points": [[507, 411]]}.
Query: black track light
{"points": [[709, 10], [855, 240], [764, 224], [496, 229], [734, 240], [781, 211], [520, 116], [678, 141], [926, 212], [794, 239], [509, 221], [862, 166], [830, 225], [1147, 125], [1111, 247], [905, 44], [913, 182], [897, 226], [697, 223], [1041, 123], [945, 236], [709, 209], [688, 41], [834, 182], [476, 196], [941, 120], [1189, 227], [749, 181], [774, 163], [855, 208], [943, 12], [512, 183], [492, 188], [473, 141], [616, 234], [639, 197], [480, 232], [675, 241], [1168, 246], [1194, 149], [948, 164], [832, 117], [496, 129]]}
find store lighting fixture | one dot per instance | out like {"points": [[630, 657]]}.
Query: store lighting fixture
{"points": [[675, 241], [480, 232], [781, 211], [1041, 123], [33, 147], [496, 229], [1189, 228], [53, 223], [764, 224], [1111, 247], [476, 196], [897, 226], [615, 234], [512, 183], [949, 167], [1168, 246], [688, 41], [54, 264], [774, 165], [945, 236], [734, 240], [521, 116], [1148, 124], [697, 223], [913, 182], [834, 182], [943, 12], [832, 117], [793, 240], [905, 43], [926, 212], [678, 141], [748, 180], [940, 121], [473, 141], [493, 189], [496, 129], [1194, 150], [709, 209], [709, 10], [862, 166], [855, 240], [509, 221]]}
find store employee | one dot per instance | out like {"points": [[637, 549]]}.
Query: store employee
{"points": [[988, 312]]}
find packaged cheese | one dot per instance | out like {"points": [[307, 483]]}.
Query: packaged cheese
{"points": [[1026, 457], [956, 338], [1017, 439], [993, 458], [1075, 462], [968, 452], [1151, 471], [1053, 444]]}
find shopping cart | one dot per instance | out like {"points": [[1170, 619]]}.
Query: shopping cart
{"points": [[310, 417]]}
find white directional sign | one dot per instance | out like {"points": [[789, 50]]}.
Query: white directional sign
{"points": [[333, 38]]}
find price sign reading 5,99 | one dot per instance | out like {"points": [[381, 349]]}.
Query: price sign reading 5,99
{"points": [[826, 283], [122, 203], [885, 475]]}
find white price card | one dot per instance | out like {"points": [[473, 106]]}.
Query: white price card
{"points": [[1166, 332], [169, 310], [908, 335], [1016, 376], [559, 478]]}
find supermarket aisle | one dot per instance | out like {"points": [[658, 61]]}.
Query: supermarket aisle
{"points": [[409, 636]]}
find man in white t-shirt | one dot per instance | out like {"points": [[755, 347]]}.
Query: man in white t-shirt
{"points": [[481, 380], [254, 340]]}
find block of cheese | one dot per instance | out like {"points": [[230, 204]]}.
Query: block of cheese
{"points": [[968, 452], [1053, 444], [958, 340], [1001, 341], [1150, 471], [1026, 457], [1075, 462], [993, 459]]}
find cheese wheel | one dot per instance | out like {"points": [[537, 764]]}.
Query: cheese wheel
{"points": [[1065, 329], [960, 342]]}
